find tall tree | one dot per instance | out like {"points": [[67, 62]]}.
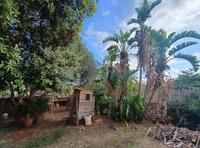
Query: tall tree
{"points": [[141, 38], [119, 50], [10, 75], [39, 26], [165, 50]]}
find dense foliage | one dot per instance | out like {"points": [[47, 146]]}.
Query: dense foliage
{"points": [[37, 44], [30, 108], [131, 107], [185, 113]]}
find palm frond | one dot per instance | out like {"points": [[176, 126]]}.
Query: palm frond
{"points": [[131, 41], [112, 38], [181, 46], [132, 30], [191, 59], [112, 47], [133, 21], [176, 37], [171, 35], [154, 4]]}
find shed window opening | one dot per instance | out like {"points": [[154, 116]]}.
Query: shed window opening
{"points": [[87, 96]]}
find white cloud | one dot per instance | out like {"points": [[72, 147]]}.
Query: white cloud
{"points": [[95, 38], [197, 54], [106, 13], [176, 15], [174, 72]]}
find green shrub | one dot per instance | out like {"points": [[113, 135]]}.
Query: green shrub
{"points": [[25, 109], [185, 113], [29, 108], [130, 108], [40, 106]]}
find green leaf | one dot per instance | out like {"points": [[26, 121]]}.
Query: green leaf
{"points": [[175, 37], [191, 59], [181, 46]]}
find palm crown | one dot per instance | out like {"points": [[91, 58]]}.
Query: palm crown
{"points": [[164, 49]]}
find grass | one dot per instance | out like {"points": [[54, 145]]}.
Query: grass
{"points": [[45, 139], [5, 130], [42, 140]]}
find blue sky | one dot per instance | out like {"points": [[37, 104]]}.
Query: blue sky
{"points": [[112, 15]]}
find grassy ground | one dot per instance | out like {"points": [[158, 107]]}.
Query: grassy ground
{"points": [[60, 135]]}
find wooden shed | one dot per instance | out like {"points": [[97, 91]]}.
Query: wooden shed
{"points": [[83, 104]]}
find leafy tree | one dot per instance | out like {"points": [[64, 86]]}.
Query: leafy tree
{"points": [[10, 75], [187, 79], [164, 52], [88, 69], [141, 39], [43, 29]]}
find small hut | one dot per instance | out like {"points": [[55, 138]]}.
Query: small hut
{"points": [[83, 104]]}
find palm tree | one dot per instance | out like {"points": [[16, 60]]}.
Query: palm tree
{"points": [[119, 50], [141, 37], [164, 50]]}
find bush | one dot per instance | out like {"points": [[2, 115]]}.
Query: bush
{"points": [[29, 108], [130, 108], [25, 109], [185, 113], [40, 106]]}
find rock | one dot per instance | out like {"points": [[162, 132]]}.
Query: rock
{"points": [[194, 139], [105, 111], [5, 115]]}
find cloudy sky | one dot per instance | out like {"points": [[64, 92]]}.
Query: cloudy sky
{"points": [[171, 15]]}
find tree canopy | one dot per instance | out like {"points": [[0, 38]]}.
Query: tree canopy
{"points": [[36, 40]]}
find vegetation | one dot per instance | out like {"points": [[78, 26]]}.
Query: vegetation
{"points": [[141, 38], [37, 40], [163, 53], [41, 49], [45, 139], [131, 107], [119, 51], [187, 79], [185, 113]]}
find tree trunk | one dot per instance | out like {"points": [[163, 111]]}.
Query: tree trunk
{"points": [[140, 81], [151, 97], [32, 91], [123, 69], [12, 94]]}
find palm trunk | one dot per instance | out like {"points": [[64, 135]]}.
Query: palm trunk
{"points": [[140, 81], [152, 96], [123, 70]]}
